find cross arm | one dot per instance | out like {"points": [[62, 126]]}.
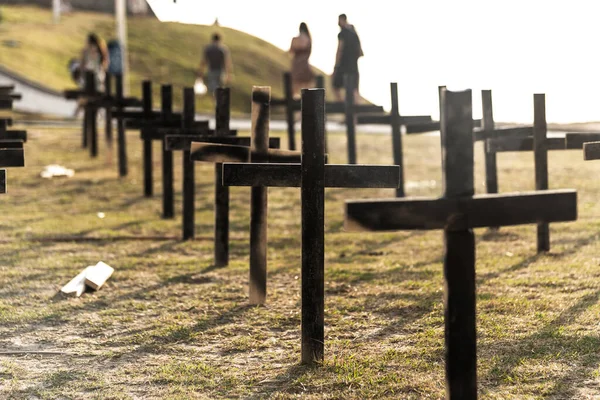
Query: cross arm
{"points": [[11, 157], [289, 175], [386, 119], [591, 151], [2, 181], [518, 132], [462, 213], [500, 145], [13, 135], [221, 153], [184, 142], [576, 141]]}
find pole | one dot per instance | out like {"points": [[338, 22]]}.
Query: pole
{"points": [[56, 11], [121, 14]]}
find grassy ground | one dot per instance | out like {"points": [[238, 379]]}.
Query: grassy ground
{"points": [[162, 52], [170, 325]]}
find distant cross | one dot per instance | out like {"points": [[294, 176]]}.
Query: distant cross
{"points": [[11, 142], [217, 147], [149, 122], [347, 107], [457, 213], [518, 140], [312, 176]]}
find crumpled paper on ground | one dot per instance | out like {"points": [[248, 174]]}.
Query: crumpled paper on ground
{"points": [[55, 170]]}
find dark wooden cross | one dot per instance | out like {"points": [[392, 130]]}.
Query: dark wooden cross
{"points": [[347, 107], [216, 146], [11, 142], [591, 150], [540, 144], [312, 176], [457, 213], [117, 103], [149, 122], [396, 122], [90, 95]]}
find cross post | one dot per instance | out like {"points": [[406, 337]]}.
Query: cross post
{"points": [[457, 213], [312, 175]]}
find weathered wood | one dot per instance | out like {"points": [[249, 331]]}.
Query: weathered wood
{"points": [[121, 138], [189, 109], [76, 286], [502, 133], [591, 151], [261, 97], [350, 115], [184, 142], [221, 153], [575, 141], [167, 156], [289, 110], [14, 135], [541, 163], [147, 144], [11, 144], [3, 188], [483, 211], [499, 145], [108, 127], [397, 138], [96, 276], [222, 116], [313, 222], [491, 166], [11, 158], [459, 261], [386, 119], [289, 175]]}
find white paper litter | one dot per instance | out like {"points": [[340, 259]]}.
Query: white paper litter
{"points": [[55, 170]]}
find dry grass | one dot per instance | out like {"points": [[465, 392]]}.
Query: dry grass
{"points": [[169, 325]]}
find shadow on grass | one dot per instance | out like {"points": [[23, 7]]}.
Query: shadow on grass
{"points": [[550, 342]]}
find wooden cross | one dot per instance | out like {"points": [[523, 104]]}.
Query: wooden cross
{"points": [[148, 121], [117, 103], [540, 144], [457, 213], [11, 144], [591, 151], [218, 147], [90, 95], [312, 176], [347, 107]]}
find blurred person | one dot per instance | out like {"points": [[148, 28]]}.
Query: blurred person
{"points": [[215, 66], [346, 59], [301, 48]]}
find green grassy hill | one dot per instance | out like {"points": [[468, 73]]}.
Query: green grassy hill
{"points": [[160, 51]]}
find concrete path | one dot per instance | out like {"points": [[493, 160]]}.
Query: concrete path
{"points": [[37, 98]]}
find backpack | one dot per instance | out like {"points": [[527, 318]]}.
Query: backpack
{"points": [[115, 58]]}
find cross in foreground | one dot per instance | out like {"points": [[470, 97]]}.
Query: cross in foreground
{"points": [[312, 176], [457, 213]]}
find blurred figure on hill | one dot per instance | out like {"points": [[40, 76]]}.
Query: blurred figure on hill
{"points": [[218, 60], [346, 59], [301, 47], [94, 57]]}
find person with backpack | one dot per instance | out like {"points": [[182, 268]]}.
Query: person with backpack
{"points": [[216, 61]]}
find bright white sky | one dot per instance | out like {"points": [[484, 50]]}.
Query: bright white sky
{"points": [[514, 47]]}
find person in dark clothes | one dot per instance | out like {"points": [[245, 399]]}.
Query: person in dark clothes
{"points": [[346, 59], [216, 57]]}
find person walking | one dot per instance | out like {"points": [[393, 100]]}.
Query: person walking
{"points": [[216, 61], [346, 60], [301, 72]]}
